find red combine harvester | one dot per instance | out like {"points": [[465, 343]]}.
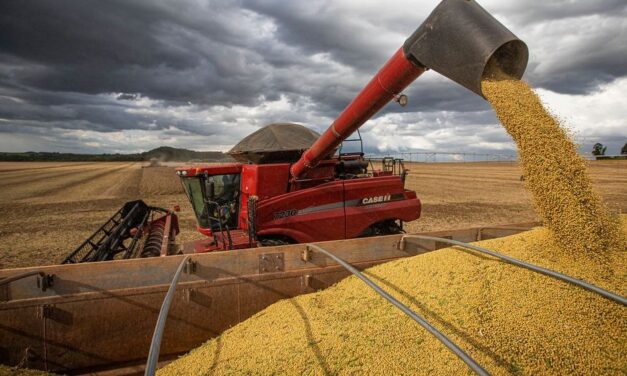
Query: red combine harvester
{"points": [[283, 195], [260, 201], [302, 191]]}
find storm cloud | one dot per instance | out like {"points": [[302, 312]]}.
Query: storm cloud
{"points": [[125, 76]]}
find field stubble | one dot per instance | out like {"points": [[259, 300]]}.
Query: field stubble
{"points": [[47, 209]]}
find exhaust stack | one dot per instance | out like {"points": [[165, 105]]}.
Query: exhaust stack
{"points": [[459, 40]]}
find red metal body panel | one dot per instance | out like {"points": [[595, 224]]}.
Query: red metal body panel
{"points": [[313, 204], [337, 210], [213, 169], [402, 203], [305, 215], [263, 181], [393, 77]]}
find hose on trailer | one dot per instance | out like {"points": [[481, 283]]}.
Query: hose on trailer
{"points": [[7, 280], [472, 364], [155, 344], [538, 269]]}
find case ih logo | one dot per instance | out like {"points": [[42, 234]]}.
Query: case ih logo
{"points": [[375, 199]]}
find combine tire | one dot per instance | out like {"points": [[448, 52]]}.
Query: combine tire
{"points": [[154, 240], [274, 242], [389, 227]]}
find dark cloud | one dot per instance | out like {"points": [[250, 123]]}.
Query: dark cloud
{"points": [[538, 12], [204, 74], [127, 96], [318, 27], [575, 46], [160, 51]]}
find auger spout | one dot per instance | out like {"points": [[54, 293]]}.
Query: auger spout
{"points": [[459, 40]]}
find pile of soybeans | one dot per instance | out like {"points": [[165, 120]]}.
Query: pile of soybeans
{"points": [[510, 320]]}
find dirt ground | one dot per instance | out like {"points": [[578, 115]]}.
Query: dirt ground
{"points": [[47, 209], [459, 195]]}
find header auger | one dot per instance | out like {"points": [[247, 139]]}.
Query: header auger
{"points": [[121, 235]]}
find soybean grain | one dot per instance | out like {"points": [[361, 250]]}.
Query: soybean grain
{"points": [[511, 320], [554, 173]]}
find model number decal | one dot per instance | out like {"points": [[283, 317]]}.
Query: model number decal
{"points": [[375, 199], [285, 213]]}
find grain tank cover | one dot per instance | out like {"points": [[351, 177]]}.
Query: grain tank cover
{"points": [[274, 143]]}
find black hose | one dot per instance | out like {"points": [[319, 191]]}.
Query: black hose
{"points": [[424, 323], [155, 345], [551, 273]]}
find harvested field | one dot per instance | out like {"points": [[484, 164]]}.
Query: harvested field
{"points": [[460, 195], [159, 181], [47, 209], [6, 167]]}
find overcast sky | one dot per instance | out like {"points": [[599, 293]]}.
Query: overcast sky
{"points": [[126, 76]]}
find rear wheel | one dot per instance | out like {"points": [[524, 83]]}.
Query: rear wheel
{"points": [[275, 241], [389, 227]]}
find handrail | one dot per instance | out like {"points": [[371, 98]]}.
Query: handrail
{"points": [[538, 269], [472, 364], [155, 344]]}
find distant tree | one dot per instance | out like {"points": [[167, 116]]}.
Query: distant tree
{"points": [[598, 149], [623, 151]]}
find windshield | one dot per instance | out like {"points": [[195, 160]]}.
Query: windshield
{"points": [[226, 193], [225, 187], [195, 195]]}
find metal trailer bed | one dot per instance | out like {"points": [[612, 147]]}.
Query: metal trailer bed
{"points": [[100, 317]]}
